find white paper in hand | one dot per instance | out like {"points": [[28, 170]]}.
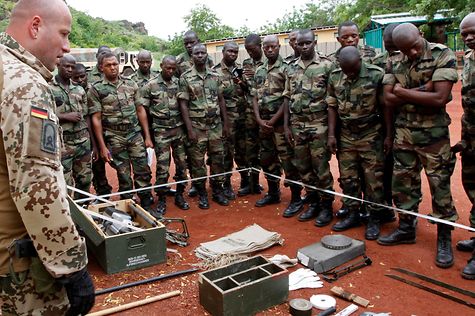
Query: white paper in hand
{"points": [[150, 155]]}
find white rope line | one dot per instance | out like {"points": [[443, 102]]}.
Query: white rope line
{"points": [[430, 218], [92, 197]]}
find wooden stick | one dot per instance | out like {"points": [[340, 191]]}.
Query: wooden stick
{"points": [[135, 304]]}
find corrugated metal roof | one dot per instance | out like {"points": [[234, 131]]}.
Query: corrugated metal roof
{"points": [[385, 19]]}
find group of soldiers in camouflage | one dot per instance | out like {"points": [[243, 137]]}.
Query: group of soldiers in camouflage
{"points": [[376, 113]]}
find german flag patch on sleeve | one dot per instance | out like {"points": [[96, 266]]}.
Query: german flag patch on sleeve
{"points": [[39, 112]]}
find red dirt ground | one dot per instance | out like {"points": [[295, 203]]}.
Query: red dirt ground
{"points": [[384, 294]]}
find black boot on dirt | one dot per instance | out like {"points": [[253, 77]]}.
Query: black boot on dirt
{"points": [[272, 197], [180, 201], [387, 216], [466, 245], [228, 190], [469, 271], [256, 188], [342, 212], [245, 186], [404, 234], [372, 228], [161, 208], [352, 220], [445, 256], [326, 213], [203, 202], [218, 194], [296, 203], [311, 213]]}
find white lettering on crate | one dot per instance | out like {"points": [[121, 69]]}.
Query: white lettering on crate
{"points": [[133, 261]]}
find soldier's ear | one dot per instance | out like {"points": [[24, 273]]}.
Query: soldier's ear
{"points": [[34, 26]]}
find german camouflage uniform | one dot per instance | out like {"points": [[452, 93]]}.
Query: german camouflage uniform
{"points": [[122, 132], [468, 129], [76, 151], [99, 176], [250, 123], [360, 141], [160, 97], [185, 63], [234, 96], [275, 152], [35, 204], [201, 91], [306, 88], [141, 79], [422, 134]]}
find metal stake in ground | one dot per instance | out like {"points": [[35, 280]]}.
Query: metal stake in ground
{"points": [[150, 280]]}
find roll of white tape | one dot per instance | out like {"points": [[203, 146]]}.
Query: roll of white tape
{"points": [[322, 301]]}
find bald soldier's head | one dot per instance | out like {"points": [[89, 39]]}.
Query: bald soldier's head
{"points": [[388, 38], [42, 27], [66, 67], [467, 30], [350, 61], [408, 39], [144, 59], [271, 47]]}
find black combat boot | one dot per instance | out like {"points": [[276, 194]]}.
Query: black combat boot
{"points": [[203, 202], [193, 190], [179, 199], [272, 197], [469, 271], [256, 188], [218, 194], [326, 213], [245, 187], [228, 189], [373, 226], [296, 203], [387, 216], [352, 220], [466, 245], [313, 207], [342, 212], [161, 208], [445, 256], [404, 234]]}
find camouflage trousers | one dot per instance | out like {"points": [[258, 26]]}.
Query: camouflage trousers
{"points": [[427, 148], [276, 154], [209, 142], [76, 161], [169, 142], [235, 144], [311, 158], [251, 136], [99, 177], [128, 149], [468, 169], [358, 157], [25, 300]]}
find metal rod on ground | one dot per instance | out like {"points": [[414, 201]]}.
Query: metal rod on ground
{"points": [[149, 300], [150, 280]]}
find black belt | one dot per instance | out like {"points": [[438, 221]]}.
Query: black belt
{"points": [[120, 127]]}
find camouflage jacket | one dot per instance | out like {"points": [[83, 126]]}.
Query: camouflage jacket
{"points": [[185, 63], [381, 60], [160, 97], [290, 59], [116, 102], [140, 79], [94, 75], [437, 63], [367, 53], [269, 86], [201, 91], [233, 93], [356, 101], [306, 87], [74, 100], [34, 199], [468, 91], [250, 63]]}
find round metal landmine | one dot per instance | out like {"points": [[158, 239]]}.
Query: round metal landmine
{"points": [[336, 242], [300, 307], [322, 301]]}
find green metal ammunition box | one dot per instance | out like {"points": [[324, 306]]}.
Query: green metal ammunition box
{"points": [[243, 288], [127, 251]]}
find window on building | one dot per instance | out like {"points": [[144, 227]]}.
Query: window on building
{"points": [[219, 48]]}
